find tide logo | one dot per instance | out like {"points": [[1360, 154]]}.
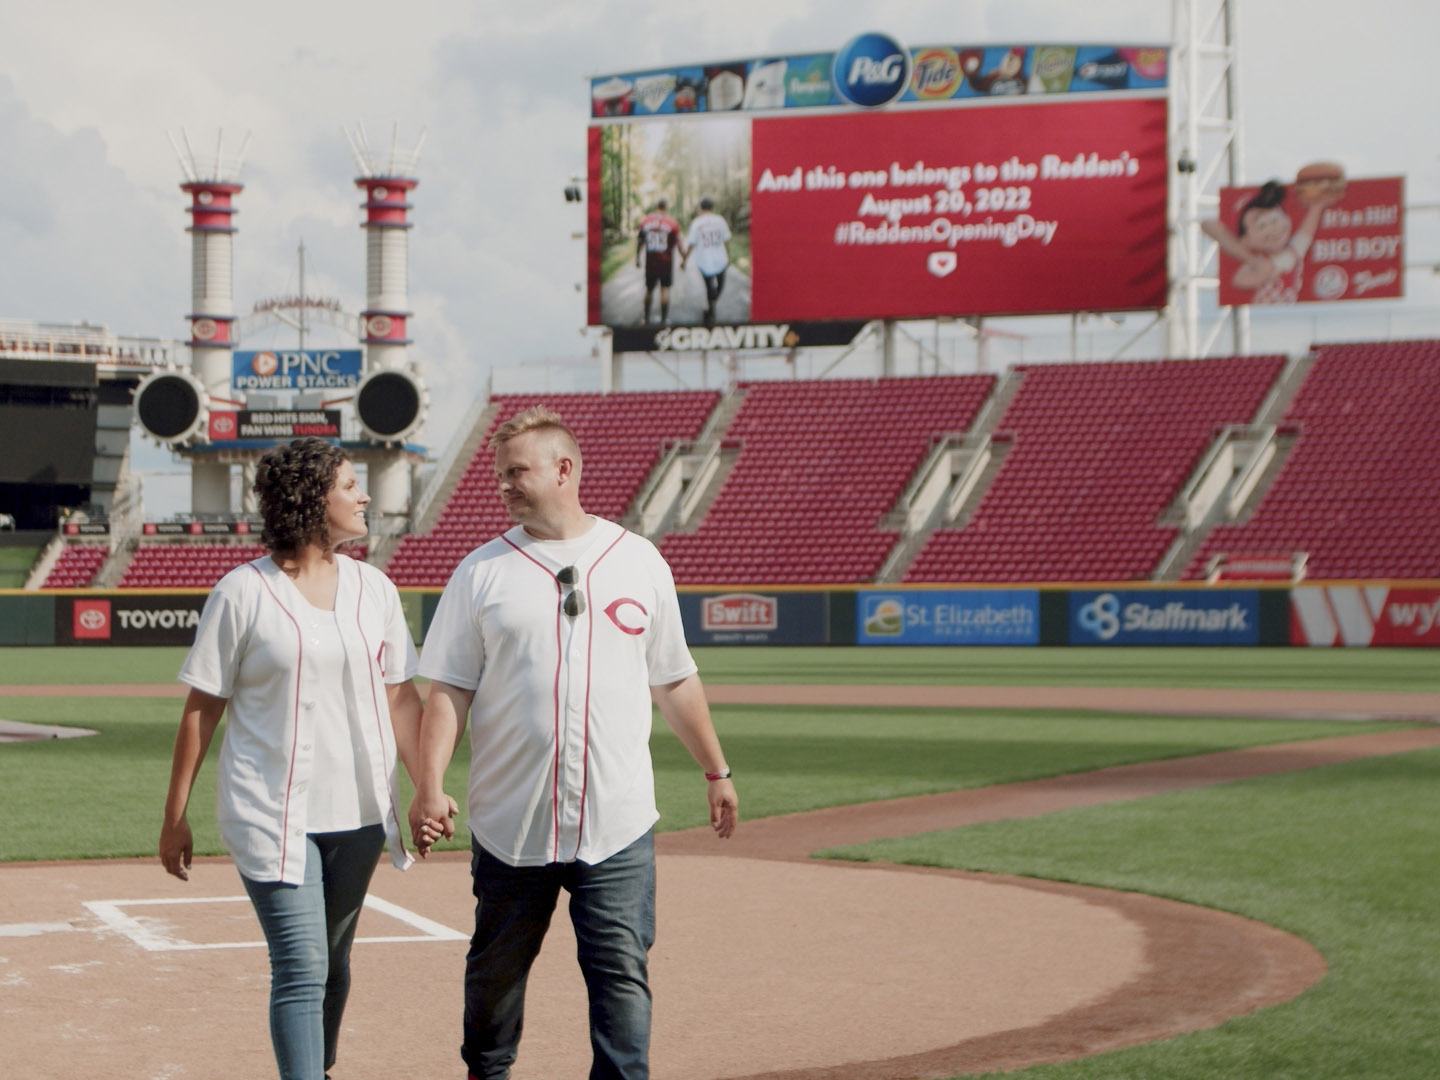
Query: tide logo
{"points": [[871, 70], [91, 620], [937, 74]]}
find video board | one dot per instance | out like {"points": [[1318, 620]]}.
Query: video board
{"points": [[880, 181]]}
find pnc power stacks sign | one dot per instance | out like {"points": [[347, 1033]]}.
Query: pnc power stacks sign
{"points": [[881, 181]]}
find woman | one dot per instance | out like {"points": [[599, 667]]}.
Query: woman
{"points": [[310, 653]]}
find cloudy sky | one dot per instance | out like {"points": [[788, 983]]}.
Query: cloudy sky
{"points": [[92, 221]]}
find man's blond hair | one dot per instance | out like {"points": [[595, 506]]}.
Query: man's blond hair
{"points": [[535, 418]]}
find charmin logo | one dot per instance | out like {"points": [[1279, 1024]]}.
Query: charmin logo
{"points": [[884, 616], [871, 70], [740, 611], [1101, 616], [264, 363], [91, 620]]}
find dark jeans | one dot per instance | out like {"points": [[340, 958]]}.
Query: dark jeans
{"points": [[309, 929], [612, 906], [714, 286]]}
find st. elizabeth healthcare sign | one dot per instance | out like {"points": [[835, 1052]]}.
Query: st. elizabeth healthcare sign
{"points": [[948, 617]]}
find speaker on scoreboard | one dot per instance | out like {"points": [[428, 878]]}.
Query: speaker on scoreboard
{"points": [[172, 407], [391, 405]]}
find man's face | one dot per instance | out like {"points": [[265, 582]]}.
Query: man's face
{"points": [[528, 474]]}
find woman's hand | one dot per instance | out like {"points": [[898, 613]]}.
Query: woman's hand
{"points": [[176, 848]]}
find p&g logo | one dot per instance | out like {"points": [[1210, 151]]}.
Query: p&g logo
{"points": [[1101, 616], [871, 69]]}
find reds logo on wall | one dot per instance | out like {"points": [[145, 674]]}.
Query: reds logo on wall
{"points": [[91, 620]]}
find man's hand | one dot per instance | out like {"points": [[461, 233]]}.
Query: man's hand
{"points": [[724, 807], [431, 819]]}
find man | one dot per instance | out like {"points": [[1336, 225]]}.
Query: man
{"points": [[659, 236], [555, 636], [707, 239]]}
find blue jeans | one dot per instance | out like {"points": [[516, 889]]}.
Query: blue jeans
{"points": [[309, 929], [612, 906]]}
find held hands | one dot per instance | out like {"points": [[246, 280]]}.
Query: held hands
{"points": [[432, 817], [176, 848]]}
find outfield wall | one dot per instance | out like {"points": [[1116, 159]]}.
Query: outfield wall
{"points": [[1350, 614]]}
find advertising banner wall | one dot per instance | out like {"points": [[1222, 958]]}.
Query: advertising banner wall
{"points": [[1364, 615], [128, 619], [1165, 617], [948, 617], [1320, 238], [755, 618]]}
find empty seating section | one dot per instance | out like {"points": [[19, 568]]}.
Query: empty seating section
{"points": [[1098, 453], [179, 564], [820, 463], [622, 436], [76, 567], [1360, 488]]}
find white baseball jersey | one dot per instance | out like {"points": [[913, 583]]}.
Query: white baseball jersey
{"points": [[560, 723], [707, 238], [257, 647]]}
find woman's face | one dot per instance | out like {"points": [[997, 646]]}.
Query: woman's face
{"points": [[1267, 229], [345, 506]]}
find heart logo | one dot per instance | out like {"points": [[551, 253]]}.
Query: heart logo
{"points": [[941, 263]]}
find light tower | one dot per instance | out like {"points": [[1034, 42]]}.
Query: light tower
{"points": [[173, 405], [391, 400]]}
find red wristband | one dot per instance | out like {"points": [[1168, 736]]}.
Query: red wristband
{"points": [[723, 774]]}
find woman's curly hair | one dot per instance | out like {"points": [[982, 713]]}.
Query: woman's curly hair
{"points": [[292, 482]]}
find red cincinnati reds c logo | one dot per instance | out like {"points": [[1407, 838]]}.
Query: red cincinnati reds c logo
{"points": [[613, 612]]}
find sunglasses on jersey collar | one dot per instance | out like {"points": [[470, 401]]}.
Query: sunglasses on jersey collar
{"points": [[574, 602]]}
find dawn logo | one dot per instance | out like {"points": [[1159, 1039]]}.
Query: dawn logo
{"points": [[884, 616], [871, 70]]}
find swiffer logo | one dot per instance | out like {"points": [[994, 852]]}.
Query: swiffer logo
{"points": [[871, 69]]}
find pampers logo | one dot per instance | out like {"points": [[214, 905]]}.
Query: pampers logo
{"points": [[884, 616], [871, 69]]}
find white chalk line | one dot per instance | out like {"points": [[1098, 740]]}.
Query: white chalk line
{"points": [[113, 917]]}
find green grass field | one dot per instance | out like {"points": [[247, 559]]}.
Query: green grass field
{"points": [[1343, 856]]}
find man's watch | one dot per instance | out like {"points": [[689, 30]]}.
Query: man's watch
{"points": [[723, 774]]}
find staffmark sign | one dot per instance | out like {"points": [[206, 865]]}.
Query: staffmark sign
{"points": [[1164, 618]]}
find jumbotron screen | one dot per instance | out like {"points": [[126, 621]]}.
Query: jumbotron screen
{"points": [[991, 180]]}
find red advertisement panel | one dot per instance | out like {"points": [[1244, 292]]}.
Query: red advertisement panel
{"points": [[1359, 616], [1410, 617], [976, 211], [1321, 237]]}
